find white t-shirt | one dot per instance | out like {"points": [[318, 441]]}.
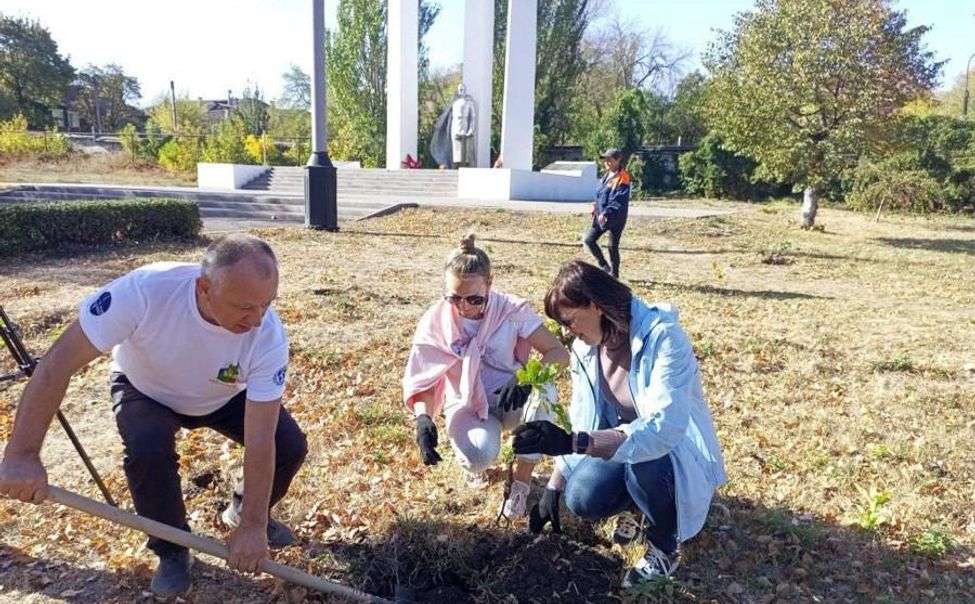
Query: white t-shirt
{"points": [[498, 362], [150, 321]]}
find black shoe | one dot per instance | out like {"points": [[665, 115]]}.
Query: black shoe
{"points": [[278, 534], [172, 576]]}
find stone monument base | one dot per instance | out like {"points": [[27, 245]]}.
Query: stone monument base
{"points": [[558, 181]]}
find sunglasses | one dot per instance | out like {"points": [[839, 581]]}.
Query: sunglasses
{"points": [[565, 321], [475, 300]]}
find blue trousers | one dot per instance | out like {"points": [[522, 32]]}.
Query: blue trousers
{"points": [[598, 489]]}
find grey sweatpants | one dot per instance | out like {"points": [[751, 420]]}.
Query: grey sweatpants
{"points": [[477, 443]]}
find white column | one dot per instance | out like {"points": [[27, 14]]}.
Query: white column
{"points": [[518, 110], [478, 63], [401, 81]]}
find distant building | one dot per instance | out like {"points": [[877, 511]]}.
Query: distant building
{"points": [[66, 118], [218, 110], [661, 170], [68, 115]]}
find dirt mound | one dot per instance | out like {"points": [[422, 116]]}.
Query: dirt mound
{"points": [[547, 569], [493, 567]]}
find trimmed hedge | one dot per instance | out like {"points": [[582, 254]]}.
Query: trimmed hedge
{"points": [[26, 227]]}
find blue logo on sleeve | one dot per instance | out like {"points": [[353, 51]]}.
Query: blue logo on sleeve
{"points": [[279, 376], [101, 305]]}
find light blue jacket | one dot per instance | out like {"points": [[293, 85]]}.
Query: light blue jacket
{"points": [[673, 417]]}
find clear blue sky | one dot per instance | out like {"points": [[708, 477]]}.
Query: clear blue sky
{"points": [[210, 46]]}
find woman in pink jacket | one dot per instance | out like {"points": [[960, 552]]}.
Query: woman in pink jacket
{"points": [[463, 360]]}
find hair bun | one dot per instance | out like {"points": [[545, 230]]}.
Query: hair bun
{"points": [[467, 243]]}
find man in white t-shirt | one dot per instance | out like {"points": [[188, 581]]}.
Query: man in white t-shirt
{"points": [[193, 345]]}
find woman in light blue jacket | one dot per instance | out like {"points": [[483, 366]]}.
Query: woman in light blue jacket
{"points": [[643, 439]]}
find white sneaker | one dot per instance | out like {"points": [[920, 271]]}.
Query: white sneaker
{"points": [[476, 480], [652, 566], [628, 527], [516, 506]]}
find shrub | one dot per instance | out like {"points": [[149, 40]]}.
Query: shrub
{"points": [[890, 185], [16, 142], [637, 169], [227, 145], [143, 148], [653, 173], [261, 150], [714, 172], [37, 226], [297, 154], [929, 166], [180, 154]]}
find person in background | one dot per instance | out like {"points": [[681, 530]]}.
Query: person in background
{"points": [[609, 212]]}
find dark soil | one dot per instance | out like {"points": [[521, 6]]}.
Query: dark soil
{"points": [[497, 567]]}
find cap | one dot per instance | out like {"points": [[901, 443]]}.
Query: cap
{"points": [[612, 152]]}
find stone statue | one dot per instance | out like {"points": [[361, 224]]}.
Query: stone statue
{"points": [[453, 141]]}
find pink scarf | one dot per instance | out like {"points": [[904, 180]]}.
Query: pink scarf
{"points": [[432, 355]]}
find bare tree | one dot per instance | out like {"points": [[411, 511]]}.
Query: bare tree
{"points": [[635, 57]]}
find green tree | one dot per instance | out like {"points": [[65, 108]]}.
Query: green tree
{"points": [[226, 145], [105, 96], [144, 148], [288, 123], [805, 87], [436, 92], [686, 118], [33, 74], [356, 76], [190, 116], [939, 149], [253, 111], [429, 11]]}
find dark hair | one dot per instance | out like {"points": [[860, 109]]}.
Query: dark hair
{"points": [[579, 284]]}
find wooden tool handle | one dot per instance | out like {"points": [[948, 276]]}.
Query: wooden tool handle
{"points": [[203, 544]]}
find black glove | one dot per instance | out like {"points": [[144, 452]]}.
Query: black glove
{"points": [[545, 511], [511, 395], [541, 437], [426, 437]]}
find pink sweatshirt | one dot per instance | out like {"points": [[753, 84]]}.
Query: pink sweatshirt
{"points": [[435, 364]]}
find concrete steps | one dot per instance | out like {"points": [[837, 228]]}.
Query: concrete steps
{"points": [[415, 184]]}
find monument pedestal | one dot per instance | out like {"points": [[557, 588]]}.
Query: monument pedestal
{"points": [[558, 181]]}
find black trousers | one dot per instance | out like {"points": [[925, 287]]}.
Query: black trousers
{"points": [[148, 431], [591, 238]]}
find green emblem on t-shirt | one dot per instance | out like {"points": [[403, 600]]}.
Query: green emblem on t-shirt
{"points": [[229, 373]]}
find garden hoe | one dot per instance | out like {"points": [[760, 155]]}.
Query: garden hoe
{"points": [[207, 546]]}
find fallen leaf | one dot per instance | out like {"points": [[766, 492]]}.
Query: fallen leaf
{"points": [[70, 593]]}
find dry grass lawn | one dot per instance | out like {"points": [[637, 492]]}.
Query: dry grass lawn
{"points": [[111, 168], [839, 366]]}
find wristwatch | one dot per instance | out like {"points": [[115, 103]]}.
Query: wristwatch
{"points": [[581, 442]]}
